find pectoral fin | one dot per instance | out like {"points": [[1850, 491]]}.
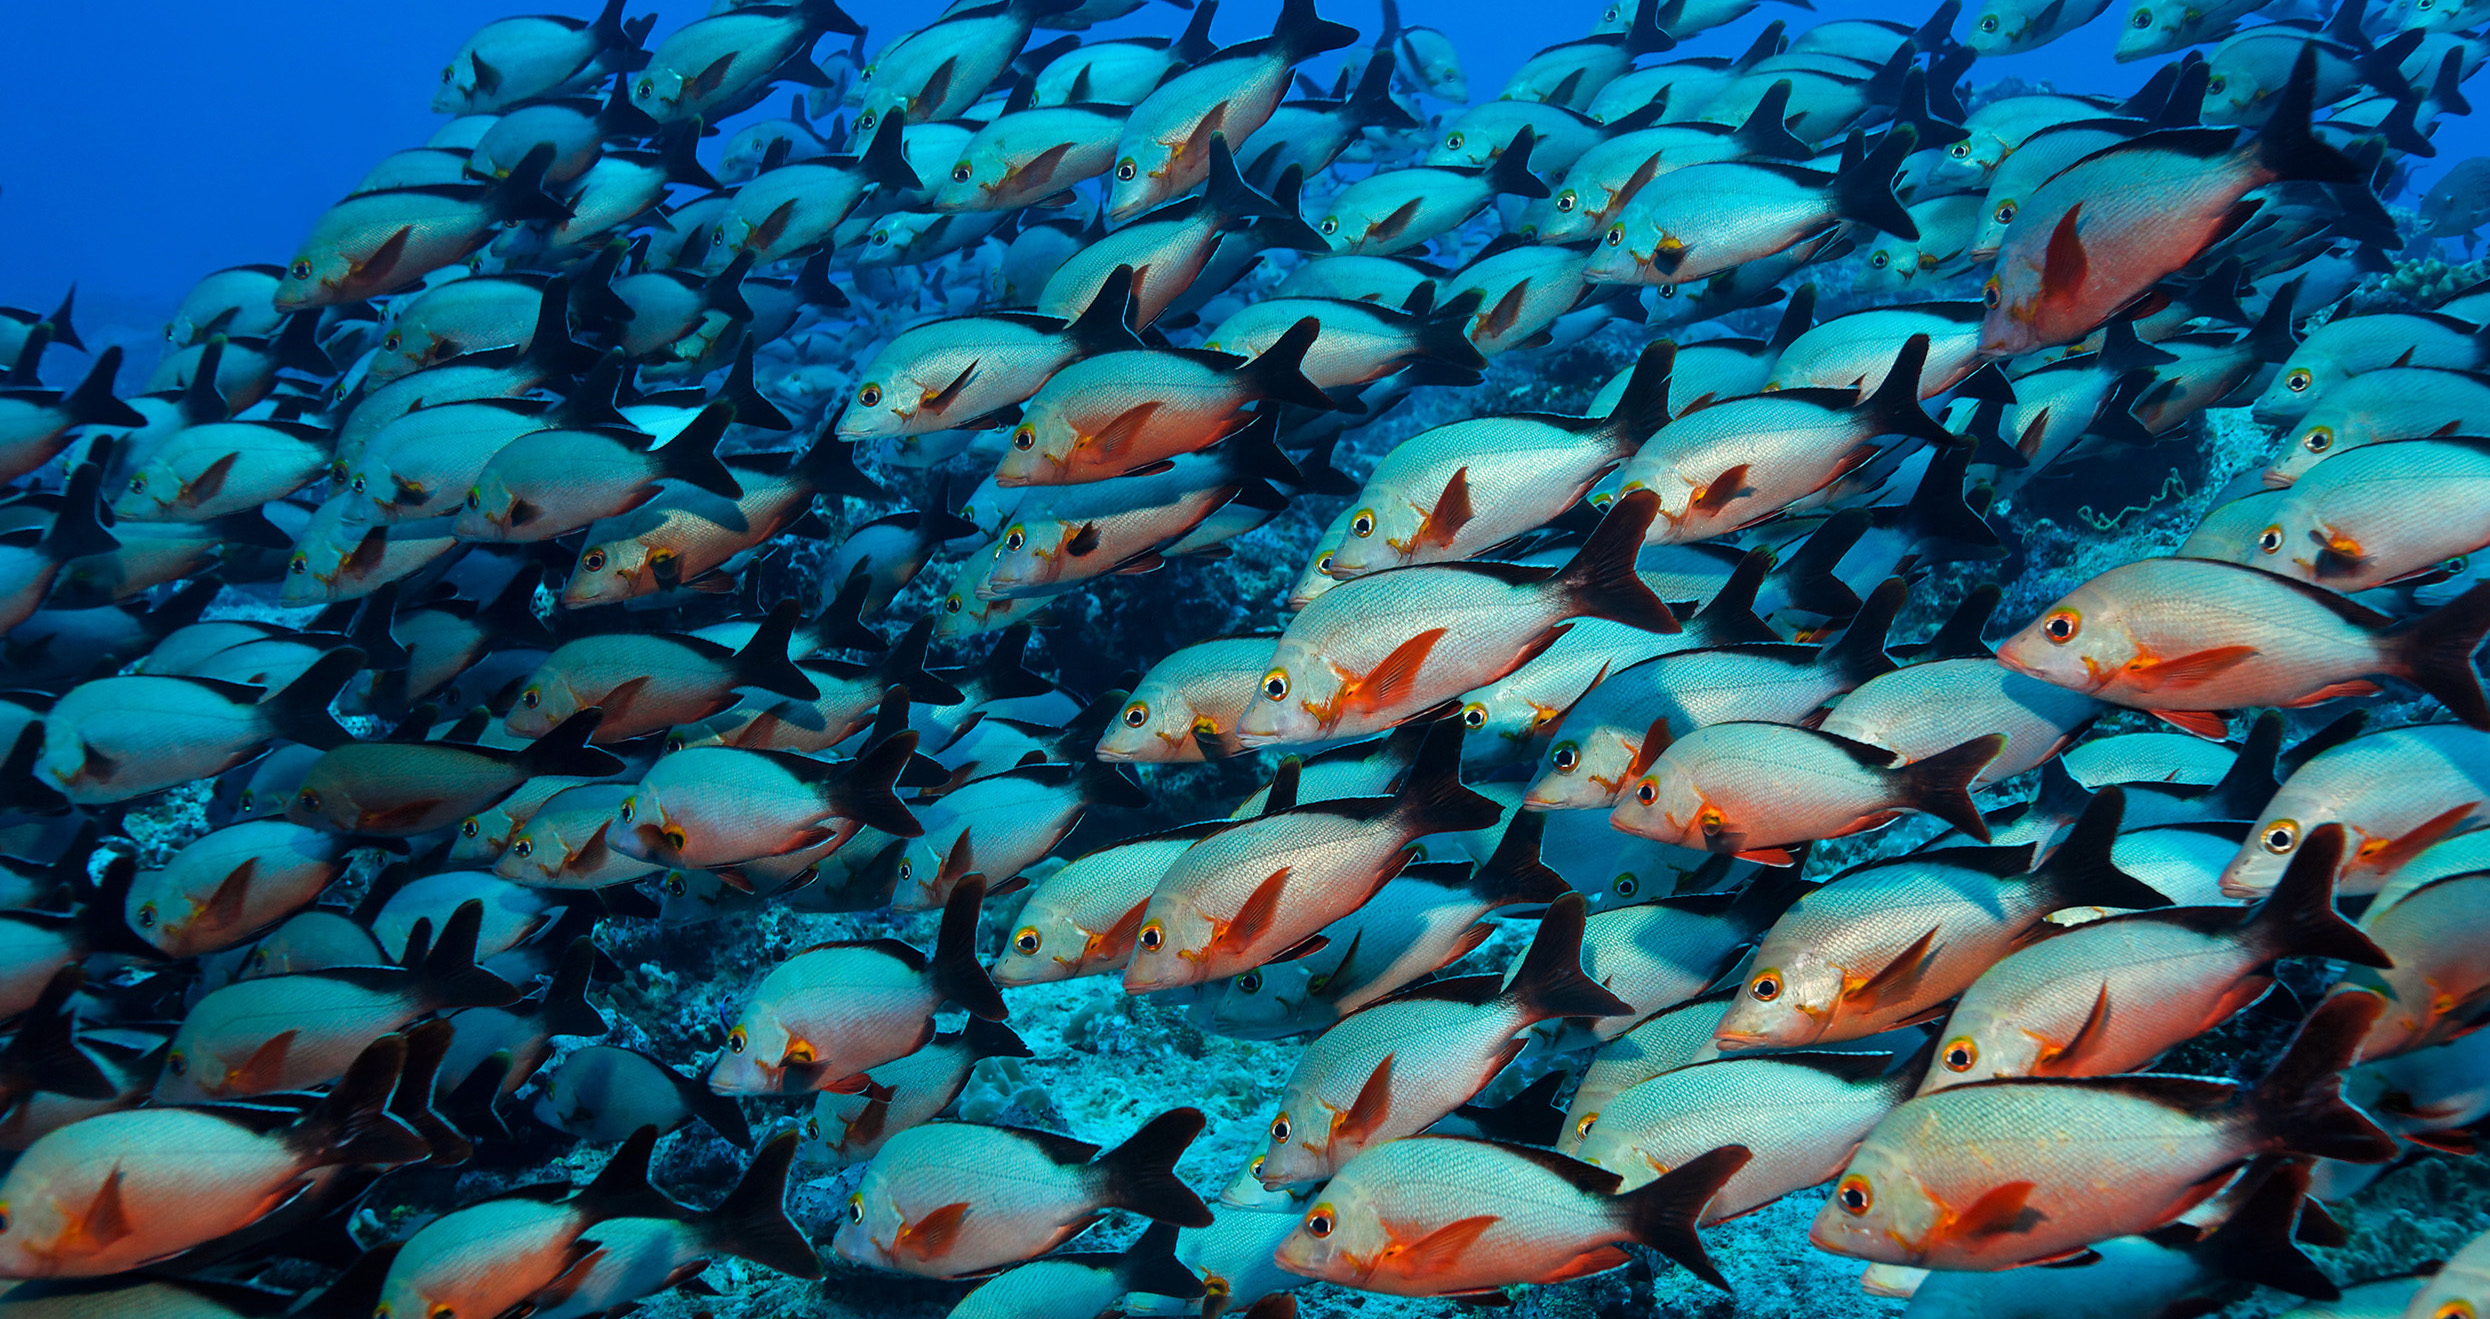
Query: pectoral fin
{"points": [[932, 1236], [1365, 1115], [2156, 674], [1894, 982]]}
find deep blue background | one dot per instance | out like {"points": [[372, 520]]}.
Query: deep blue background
{"points": [[146, 142]]}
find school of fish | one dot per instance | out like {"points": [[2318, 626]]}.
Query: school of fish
{"points": [[661, 632]]}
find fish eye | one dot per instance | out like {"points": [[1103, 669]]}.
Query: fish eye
{"points": [[1024, 437], [475, 500], [2280, 836], [1320, 1222], [176, 1063], [1275, 684], [881, 237], [812, 1128], [736, 1040], [1136, 714], [1474, 716], [1616, 235], [1765, 987], [647, 88], [1566, 757], [1625, 885], [390, 343], [138, 485], [147, 916], [1280, 1129], [856, 1207], [868, 395], [1329, 226], [2270, 539], [907, 871], [1014, 539], [674, 883], [1565, 201], [625, 810], [1453, 141], [1959, 151], [2215, 84], [522, 849], [1960, 1053], [951, 604], [1988, 22], [866, 121], [960, 173], [2298, 381], [2005, 212], [299, 270], [1025, 940], [1249, 983], [531, 698], [307, 799], [1363, 525], [1854, 1194], [593, 561], [2062, 626], [2319, 439], [1152, 937], [1647, 791], [1582, 1127], [2142, 19], [1322, 562], [1127, 169], [299, 564], [1989, 296], [1878, 261]]}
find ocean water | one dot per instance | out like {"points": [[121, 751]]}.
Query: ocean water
{"points": [[145, 144]]}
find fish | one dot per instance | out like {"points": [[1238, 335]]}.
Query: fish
{"points": [[850, 1127], [642, 683], [918, 1208], [2152, 979], [708, 68], [1396, 1067], [1111, 414], [1226, 904], [822, 1018], [1713, 217], [533, 489], [2222, 642], [1188, 705], [377, 241], [228, 885], [1164, 149], [30, 562], [1399, 210], [1085, 1283], [1825, 973], [1335, 674], [513, 60], [401, 789], [706, 807], [1449, 1216], [121, 737], [1709, 790], [2035, 1190], [2433, 797], [937, 71], [103, 1195], [603, 1093]]}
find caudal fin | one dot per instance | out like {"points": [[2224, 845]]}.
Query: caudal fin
{"points": [[299, 711], [1550, 984], [1643, 406], [692, 456], [2299, 1105], [1150, 1266], [1140, 1174], [1859, 653], [956, 972], [1514, 874], [763, 663], [2435, 653], [1941, 783], [751, 1222], [92, 403], [1601, 581], [565, 750], [1863, 190], [352, 1124], [1663, 1214], [2081, 869], [1895, 403], [2298, 918], [447, 975], [1279, 372], [1432, 794]]}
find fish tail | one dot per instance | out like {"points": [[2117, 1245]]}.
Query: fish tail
{"points": [[1549, 983], [1959, 636], [1766, 896], [1443, 333], [1601, 582], [763, 661], [1003, 674], [1106, 325], [2082, 869], [692, 456], [77, 530], [1766, 131], [723, 1113], [751, 1222], [1514, 874], [352, 1123], [565, 750], [1279, 372], [1939, 510], [1859, 654], [993, 1039], [92, 403], [2298, 919], [1895, 404], [411, 1100], [1372, 104], [1140, 1174], [1509, 173], [2260, 1243], [1941, 784], [723, 292], [1432, 795], [957, 974], [522, 196], [2299, 1106], [566, 1009], [1302, 33], [826, 16], [28, 370], [1809, 582], [595, 402], [1864, 191], [1228, 195], [66, 334], [904, 666], [884, 162], [2435, 654], [44, 1053], [1728, 618], [1663, 1214], [2287, 148], [1150, 1265], [1643, 406], [446, 973], [299, 711], [622, 1189], [868, 790]]}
